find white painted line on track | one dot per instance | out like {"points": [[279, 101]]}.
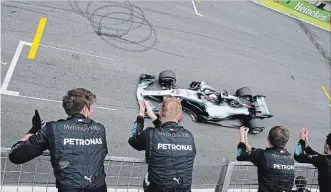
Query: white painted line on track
{"points": [[12, 66], [68, 50], [17, 54], [27, 43], [77, 52], [7, 92], [16, 94], [4, 86], [195, 9]]}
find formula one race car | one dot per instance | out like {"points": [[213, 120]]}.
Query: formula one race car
{"points": [[204, 104]]}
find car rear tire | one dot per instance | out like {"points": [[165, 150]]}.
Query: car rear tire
{"points": [[167, 76], [244, 92], [254, 126]]}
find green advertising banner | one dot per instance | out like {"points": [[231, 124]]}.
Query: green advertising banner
{"points": [[307, 9]]}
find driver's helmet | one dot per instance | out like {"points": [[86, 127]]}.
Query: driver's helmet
{"points": [[209, 91]]}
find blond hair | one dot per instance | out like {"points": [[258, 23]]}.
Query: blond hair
{"points": [[171, 108]]}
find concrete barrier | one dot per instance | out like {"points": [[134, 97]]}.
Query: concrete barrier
{"points": [[126, 174]]}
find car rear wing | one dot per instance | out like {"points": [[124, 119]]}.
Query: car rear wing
{"points": [[261, 107]]}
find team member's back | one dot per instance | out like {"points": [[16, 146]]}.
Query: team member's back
{"points": [[170, 155], [275, 164], [77, 145], [169, 149]]}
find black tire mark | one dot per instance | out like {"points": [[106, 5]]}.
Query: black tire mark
{"points": [[134, 13], [126, 31], [162, 27], [143, 8], [314, 41], [157, 26], [171, 30], [123, 19]]}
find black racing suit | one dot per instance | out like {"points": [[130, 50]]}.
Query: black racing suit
{"points": [[321, 162], [275, 167], [77, 147], [169, 151]]}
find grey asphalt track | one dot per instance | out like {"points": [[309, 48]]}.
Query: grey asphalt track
{"points": [[235, 44]]}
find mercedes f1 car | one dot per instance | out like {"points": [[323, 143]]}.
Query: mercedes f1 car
{"points": [[206, 105]]}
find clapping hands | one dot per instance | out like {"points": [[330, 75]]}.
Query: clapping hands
{"points": [[304, 134], [145, 107], [243, 134], [244, 137]]}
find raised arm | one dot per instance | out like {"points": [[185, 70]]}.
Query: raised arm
{"points": [[137, 139], [300, 156], [244, 151], [138, 136], [304, 153], [310, 151], [32, 145]]}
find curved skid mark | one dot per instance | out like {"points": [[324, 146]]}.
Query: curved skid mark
{"points": [[125, 31], [80, 12], [87, 10], [124, 17]]}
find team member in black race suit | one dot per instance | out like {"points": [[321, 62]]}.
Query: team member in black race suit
{"points": [[169, 148], [77, 145], [275, 164], [305, 154]]}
